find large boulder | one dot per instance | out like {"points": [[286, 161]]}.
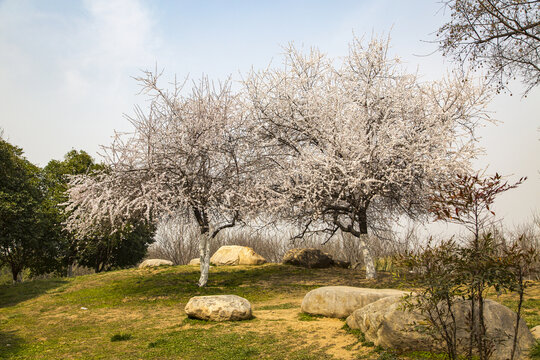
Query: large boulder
{"points": [[196, 261], [308, 258], [386, 324], [219, 308], [535, 331], [236, 255], [341, 301], [155, 263]]}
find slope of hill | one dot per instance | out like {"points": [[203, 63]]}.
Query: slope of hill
{"points": [[139, 314]]}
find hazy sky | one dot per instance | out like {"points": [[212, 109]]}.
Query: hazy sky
{"points": [[66, 67]]}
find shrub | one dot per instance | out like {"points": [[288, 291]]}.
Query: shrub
{"points": [[448, 271]]}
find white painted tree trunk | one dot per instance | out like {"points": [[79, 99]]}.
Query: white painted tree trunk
{"points": [[204, 250], [371, 272]]}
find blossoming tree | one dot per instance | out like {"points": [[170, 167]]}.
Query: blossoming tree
{"points": [[359, 139], [187, 156]]}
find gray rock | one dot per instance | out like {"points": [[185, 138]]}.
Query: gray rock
{"points": [[386, 324], [341, 301], [155, 263], [342, 264], [218, 308], [236, 255], [308, 258]]}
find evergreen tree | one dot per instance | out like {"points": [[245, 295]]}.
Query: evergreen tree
{"points": [[21, 212]]}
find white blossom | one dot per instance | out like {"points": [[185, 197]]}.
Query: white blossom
{"points": [[188, 155], [356, 137]]}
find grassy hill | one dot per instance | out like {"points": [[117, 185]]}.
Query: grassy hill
{"points": [[139, 314]]}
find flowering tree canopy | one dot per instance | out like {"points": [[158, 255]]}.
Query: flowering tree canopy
{"points": [[333, 145], [353, 138], [188, 155]]}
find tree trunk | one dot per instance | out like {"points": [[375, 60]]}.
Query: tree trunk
{"points": [[204, 250], [70, 270], [16, 274], [371, 272], [70, 260], [483, 352], [100, 266]]}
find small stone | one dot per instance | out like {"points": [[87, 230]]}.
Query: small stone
{"points": [[219, 308], [83, 308]]}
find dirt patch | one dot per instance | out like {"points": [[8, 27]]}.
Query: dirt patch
{"points": [[322, 333], [326, 333]]}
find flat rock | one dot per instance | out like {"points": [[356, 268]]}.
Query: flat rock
{"points": [[155, 263], [236, 255], [341, 301], [308, 258], [219, 308], [385, 323]]}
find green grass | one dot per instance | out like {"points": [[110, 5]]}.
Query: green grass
{"points": [[530, 309], [387, 355], [157, 343], [426, 355], [535, 351], [216, 343], [121, 337], [278, 306], [13, 294], [308, 317], [359, 335], [138, 314]]}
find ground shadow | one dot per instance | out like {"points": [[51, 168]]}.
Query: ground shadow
{"points": [[13, 294], [10, 344], [257, 282]]}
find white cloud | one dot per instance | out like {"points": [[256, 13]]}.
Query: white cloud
{"points": [[115, 41], [66, 75]]}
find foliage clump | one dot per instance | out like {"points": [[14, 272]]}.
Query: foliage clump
{"points": [[450, 272], [23, 216]]}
